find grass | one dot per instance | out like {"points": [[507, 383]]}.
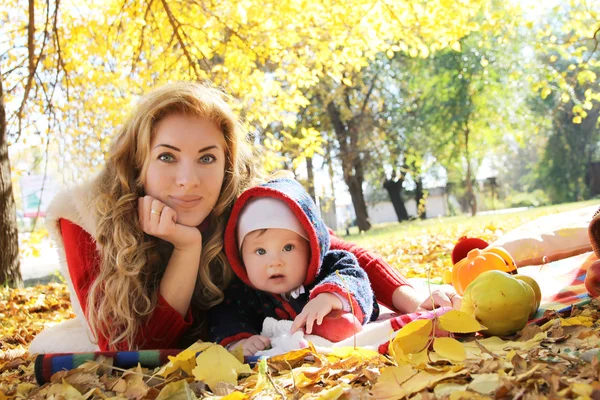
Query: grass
{"points": [[418, 246], [388, 230]]}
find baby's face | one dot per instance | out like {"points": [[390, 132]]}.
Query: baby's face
{"points": [[276, 259]]}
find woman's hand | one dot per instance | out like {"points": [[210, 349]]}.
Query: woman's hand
{"points": [[441, 298], [406, 300], [315, 310], [157, 219]]}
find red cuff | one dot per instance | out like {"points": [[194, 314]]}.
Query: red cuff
{"points": [[166, 326], [331, 288]]}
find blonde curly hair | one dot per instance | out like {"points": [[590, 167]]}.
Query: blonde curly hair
{"points": [[132, 263]]}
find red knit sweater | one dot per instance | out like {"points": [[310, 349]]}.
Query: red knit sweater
{"points": [[165, 326]]}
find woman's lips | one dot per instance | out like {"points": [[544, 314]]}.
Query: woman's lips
{"points": [[185, 201]]}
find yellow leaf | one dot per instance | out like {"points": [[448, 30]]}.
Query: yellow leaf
{"points": [[238, 353], [235, 396], [485, 383], [345, 352], [65, 391], [545, 92], [389, 384], [413, 337], [459, 322], [390, 54], [347, 82], [449, 348], [579, 320], [186, 360], [455, 46], [216, 364], [176, 390], [333, 393], [565, 97], [577, 119], [398, 382]]}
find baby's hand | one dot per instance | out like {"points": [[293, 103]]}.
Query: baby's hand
{"points": [[253, 344], [316, 310]]}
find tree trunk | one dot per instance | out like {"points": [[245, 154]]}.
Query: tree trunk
{"points": [[347, 136], [10, 273], [331, 178], [311, 178], [420, 199], [394, 189], [472, 201]]}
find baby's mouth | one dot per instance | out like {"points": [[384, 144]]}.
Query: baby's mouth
{"points": [[277, 276]]}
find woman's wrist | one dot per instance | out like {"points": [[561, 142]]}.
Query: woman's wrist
{"points": [[405, 299]]}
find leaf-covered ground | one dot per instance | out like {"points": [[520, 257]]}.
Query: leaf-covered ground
{"points": [[556, 360]]}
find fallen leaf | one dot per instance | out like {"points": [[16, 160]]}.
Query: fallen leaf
{"points": [[580, 320], [459, 322], [216, 364], [485, 383], [450, 348], [136, 387], [178, 390], [186, 360], [445, 389], [412, 338], [390, 384], [346, 352], [234, 396]]}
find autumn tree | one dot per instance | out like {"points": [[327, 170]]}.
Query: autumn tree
{"points": [[30, 70]]}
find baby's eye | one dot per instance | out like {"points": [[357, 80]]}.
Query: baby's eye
{"points": [[261, 252], [288, 247], [166, 157], [207, 159]]}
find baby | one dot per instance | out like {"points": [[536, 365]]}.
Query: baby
{"points": [[278, 247]]}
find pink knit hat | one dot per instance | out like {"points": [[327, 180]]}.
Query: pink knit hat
{"points": [[265, 213]]}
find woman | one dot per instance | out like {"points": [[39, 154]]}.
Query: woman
{"points": [[141, 245]]}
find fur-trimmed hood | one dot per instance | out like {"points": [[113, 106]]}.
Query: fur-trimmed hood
{"points": [[303, 207]]}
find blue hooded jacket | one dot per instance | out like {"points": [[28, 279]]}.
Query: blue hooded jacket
{"points": [[244, 308]]}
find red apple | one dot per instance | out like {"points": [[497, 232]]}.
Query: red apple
{"points": [[337, 326], [592, 279], [464, 245]]}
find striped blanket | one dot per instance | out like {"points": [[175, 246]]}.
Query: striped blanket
{"points": [[561, 283]]}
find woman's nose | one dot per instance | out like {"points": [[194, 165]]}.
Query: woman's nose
{"points": [[187, 176]]}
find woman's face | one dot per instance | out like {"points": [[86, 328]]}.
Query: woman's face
{"points": [[187, 166]]}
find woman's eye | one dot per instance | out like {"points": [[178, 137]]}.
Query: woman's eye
{"points": [[261, 252], [207, 159], [288, 247], [166, 157]]}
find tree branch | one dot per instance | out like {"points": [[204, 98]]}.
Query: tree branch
{"points": [[175, 26]]}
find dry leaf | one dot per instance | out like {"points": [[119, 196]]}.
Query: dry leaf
{"points": [[390, 384], [178, 390], [235, 396], [346, 352], [412, 338], [459, 322], [186, 360], [450, 348], [580, 320], [485, 383], [216, 364]]}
